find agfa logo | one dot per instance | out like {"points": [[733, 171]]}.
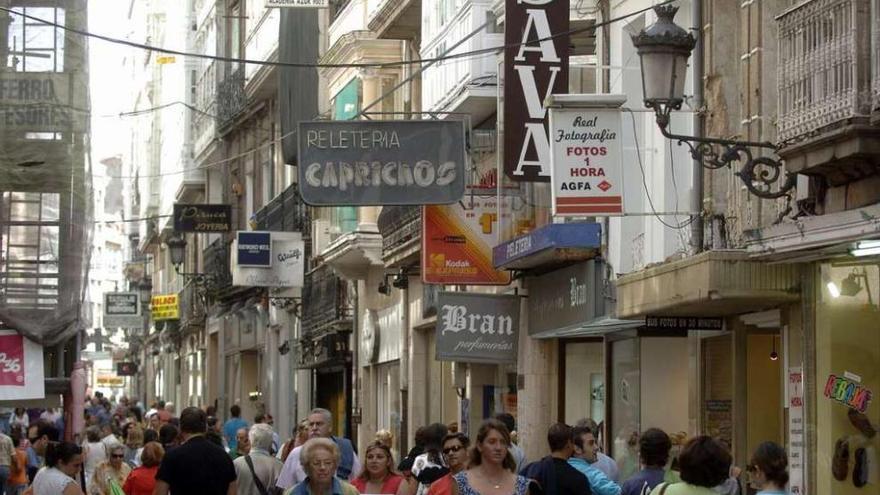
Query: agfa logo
{"points": [[604, 185]]}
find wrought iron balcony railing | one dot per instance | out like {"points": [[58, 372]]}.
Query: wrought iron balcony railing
{"points": [[285, 213], [216, 264], [328, 303], [824, 72], [399, 225], [231, 99]]}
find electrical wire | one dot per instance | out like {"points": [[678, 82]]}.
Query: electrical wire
{"points": [[645, 179], [218, 58]]}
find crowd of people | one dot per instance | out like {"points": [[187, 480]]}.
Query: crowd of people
{"points": [[129, 451]]}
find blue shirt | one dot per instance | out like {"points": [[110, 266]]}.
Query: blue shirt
{"points": [[230, 429], [303, 488], [599, 483], [33, 459], [648, 476]]}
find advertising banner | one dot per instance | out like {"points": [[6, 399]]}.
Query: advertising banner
{"points": [[41, 102], [165, 307], [363, 163], [21, 368], [311, 4], [586, 155], [202, 218], [457, 242], [796, 430], [286, 264], [122, 310], [532, 71], [254, 249], [563, 298], [477, 328]]}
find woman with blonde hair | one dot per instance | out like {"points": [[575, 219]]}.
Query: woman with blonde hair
{"points": [[378, 475], [320, 459], [134, 443]]}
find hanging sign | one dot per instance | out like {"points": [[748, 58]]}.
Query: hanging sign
{"points": [[286, 263], [126, 368], [21, 368], [586, 157], [457, 242], [202, 218], [254, 249], [363, 163], [532, 71], [165, 307], [122, 310], [477, 328], [796, 430], [848, 391]]}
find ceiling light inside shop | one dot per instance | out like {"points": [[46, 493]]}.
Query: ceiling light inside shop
{"points": [[865, 251], [833, 289]]}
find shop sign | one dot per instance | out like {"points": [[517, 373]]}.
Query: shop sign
{"points": [[202, 218], [586, 156], [796, 430], [390, 322], [165, 307], [21, 367], [661, 323], [515, 253], [107, 380], [533, 70], [849, 391], [126, 368], [311, 4], [122, 310], [286, 266], [563, 298], [477, 328], [363, 163], [40, 102], [254, 249], [457, 242]]}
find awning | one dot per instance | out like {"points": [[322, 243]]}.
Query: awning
{"points": [[593, 328]]}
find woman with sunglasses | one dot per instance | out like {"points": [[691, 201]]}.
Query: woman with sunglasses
{"points": [[768, 470], [456, 455], [378, 476], [111, 474]]}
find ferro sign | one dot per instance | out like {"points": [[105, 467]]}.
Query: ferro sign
{"points": [[532, 71]]}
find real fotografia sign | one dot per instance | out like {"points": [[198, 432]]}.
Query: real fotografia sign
{"points": [[313, 4], [286, 264], [202, 218], [533, 70], [362, 163], [477, 328], [21, 368], [122, 310], [165, 307], [254, 249], [586, 156]]}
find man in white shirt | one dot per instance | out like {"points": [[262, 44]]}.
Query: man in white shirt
{"points": [[319, 426]]}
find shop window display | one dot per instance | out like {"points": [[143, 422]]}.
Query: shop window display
{"points": [[847, 376]]}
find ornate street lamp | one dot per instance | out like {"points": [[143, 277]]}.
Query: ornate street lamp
{"points": [[177, 251], [664, 48]]}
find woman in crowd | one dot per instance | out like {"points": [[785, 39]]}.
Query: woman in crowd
{"points": [[491, 465], [142, 479], [386, 438], [134, 442], [20, 417], [111, 474], [94, 453], [63, 462], [455, 454], [17, 481], [704, 464], [319, 459], [429, 467], [378, 475], [768, 470]]}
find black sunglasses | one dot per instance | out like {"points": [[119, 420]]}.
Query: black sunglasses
{"points": [[118, 456], [450, 450]]}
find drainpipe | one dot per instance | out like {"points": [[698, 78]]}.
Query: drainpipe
{"points": [[697, 196]]}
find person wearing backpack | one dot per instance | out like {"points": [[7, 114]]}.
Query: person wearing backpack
{"points": [[654, 446], [258, 470]]}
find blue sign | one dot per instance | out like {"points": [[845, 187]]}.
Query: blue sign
{"points": [[548, 239], [254, 249]]}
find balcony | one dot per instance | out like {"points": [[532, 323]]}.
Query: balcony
{"points": [[351, 16], [328, 303], [204, 120], [395, 19], [215, 262], [192, 307], [401, 229], [231, 100], [285, 213], [828, 84]]}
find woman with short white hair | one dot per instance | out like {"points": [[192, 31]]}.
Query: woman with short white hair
{"points": [[112, 473], [319, 459], [257, 471]]}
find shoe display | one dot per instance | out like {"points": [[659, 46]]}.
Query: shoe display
{"points": [[860, 470], [862, 423], [840, 462]]}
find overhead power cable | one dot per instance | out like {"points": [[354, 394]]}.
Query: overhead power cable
{"points": [[218, 58]]}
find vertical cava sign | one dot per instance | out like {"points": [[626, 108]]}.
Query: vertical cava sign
{"points": [[535, 66], [586, 152]]}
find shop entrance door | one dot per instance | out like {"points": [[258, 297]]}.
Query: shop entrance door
{"points": [[764, 389]]}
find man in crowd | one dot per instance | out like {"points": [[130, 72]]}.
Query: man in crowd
{"points": [[270, 421], [258, 470], [603, 462], [197, 465], [553, 474], [654, 446], [242, 444], [585, 454], [233, 424], [519, 456], [320, 421]]}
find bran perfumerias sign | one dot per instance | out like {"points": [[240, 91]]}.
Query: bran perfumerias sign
{"points": [[477, 328], [535, 66], [362, 163]]}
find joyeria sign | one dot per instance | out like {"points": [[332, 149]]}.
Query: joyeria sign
{"points": [[533, 70]]}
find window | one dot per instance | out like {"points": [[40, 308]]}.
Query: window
{"points": [[235, 32], [35, 46], [29, 251]]}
